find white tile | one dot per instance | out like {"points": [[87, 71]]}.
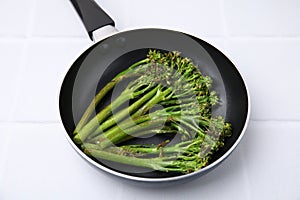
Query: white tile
{"points": [[11, 53], [57, 18], [41, 164], [271, 153], [15, 17], [196, 17], [46, 63], [265, 18], [271, 70], [5, 134]]}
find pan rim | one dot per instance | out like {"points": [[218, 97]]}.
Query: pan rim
{"points": [[165, 179]]}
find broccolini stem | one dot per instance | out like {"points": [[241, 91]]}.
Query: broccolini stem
{"points": [[101, 94], [125, 112], [100, 117], [135, 107], [153, 163], [118, 133], [183, 164]]}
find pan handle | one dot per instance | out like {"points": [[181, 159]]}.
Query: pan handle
{"points": [[92, 16]]}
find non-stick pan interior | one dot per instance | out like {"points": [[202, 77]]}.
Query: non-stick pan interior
{"points": [[100, 63]]}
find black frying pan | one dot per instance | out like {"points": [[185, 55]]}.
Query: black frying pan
{"points": [[112, 54]]}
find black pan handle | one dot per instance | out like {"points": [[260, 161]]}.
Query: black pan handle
{"points": [[92, 16]]}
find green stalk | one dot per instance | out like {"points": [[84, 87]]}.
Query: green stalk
{"points": [[152, 131], [179, 148], [147, 132], [108, 87], [116, 129], [125, 112], [100, 117], [182, 164], [118, 133], [92, 125], [155, 150], [149, 163], [159, 96], [152, 163], [176, 101]]}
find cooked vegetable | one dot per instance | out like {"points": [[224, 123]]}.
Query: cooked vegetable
{"points": [[169, 96]]}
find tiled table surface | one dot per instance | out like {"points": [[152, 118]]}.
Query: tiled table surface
{"points": [[40, 39]]}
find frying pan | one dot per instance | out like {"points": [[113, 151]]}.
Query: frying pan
{"points": [[114, 51]]}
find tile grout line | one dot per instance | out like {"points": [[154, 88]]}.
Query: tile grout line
{"points": [[17, 81], [226, 37], [246, 176], [276, 120], [22, 59], [30, 26], [44, 39], [223, 20], [29, 122], [3, 159]]}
